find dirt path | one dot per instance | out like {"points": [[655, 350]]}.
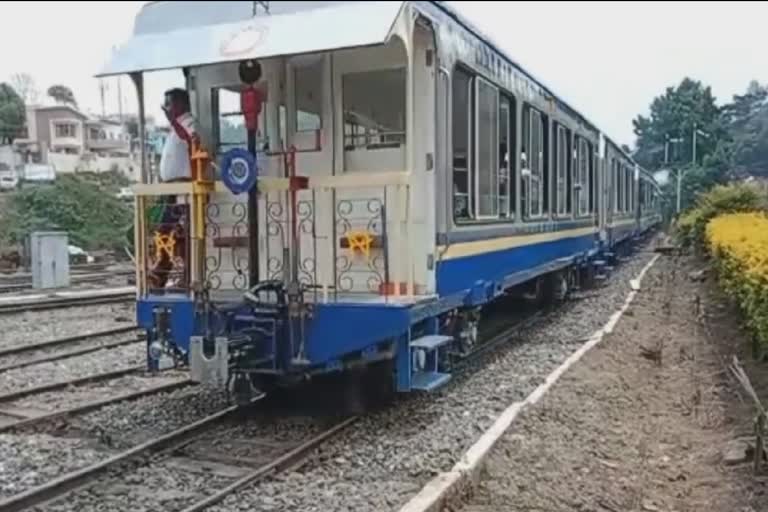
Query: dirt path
{"points": [[620, 432]]}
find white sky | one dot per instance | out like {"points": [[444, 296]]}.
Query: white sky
{"points": [[607, 59]]}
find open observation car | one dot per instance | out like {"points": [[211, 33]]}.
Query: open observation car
{"points": [[401, 173]]}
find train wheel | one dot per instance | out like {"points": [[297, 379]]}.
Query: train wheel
{"points": [[552, 288], [380, 384], [587, 277], [354, 391]]}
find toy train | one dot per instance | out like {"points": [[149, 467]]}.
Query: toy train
{"points": [[395, 173]]}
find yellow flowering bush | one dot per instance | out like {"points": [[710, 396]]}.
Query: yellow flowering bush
{"points": [[739, 244], [720, 200]]}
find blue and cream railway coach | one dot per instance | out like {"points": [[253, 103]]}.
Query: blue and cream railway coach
{"points": [[366, 176]]}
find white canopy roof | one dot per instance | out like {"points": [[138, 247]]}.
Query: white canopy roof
{"points": [[332, 27]]}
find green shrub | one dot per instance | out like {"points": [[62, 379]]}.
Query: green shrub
{"points": [[691, 226], [91, 214]]}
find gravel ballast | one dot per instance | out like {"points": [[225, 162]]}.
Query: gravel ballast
{"points": [[36, 326], [385, 459], [30, 460], [66, 348], [95, 436], [173, 483], [94, 363], [78, 395]]}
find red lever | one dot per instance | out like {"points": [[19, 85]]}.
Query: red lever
{"points": [[250, 104]]}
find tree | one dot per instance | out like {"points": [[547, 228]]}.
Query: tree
{"points": [[746, 118], [62, 94], [89, 212], [674, 115], [12, 114], [24, 85]]}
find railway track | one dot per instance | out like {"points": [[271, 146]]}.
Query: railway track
{"points": [[21, 356], [16, 285], [79, 269], [65, 302], [40, 404], [211, 447]]}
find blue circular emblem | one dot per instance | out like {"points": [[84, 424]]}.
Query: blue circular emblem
{"points": [[239, 171]]}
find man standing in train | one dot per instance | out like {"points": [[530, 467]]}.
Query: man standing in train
{"points": [[175, 166], [175, 159]]}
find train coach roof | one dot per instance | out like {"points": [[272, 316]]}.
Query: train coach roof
{"points": [[168, 36], [462, 20]]}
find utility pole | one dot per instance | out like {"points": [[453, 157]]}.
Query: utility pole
{"points": [[119, 100], [693, 153], [102, 90], [678, 172], [696, 132]]}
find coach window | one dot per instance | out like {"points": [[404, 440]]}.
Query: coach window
{"points": [[463, 118], [621, 186], [308, 96], [229, 131], [615, 171], [487, 155], [506, 152], [628, 189], [630, 180], [532, 156], [648, 196], [619, 182], [562, 206], [593, 193], [374, 110], [581, 177]]}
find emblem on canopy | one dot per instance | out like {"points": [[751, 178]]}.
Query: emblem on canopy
{"points": [[243, 41]]}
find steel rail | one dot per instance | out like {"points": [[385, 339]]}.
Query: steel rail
{"points": [[77, 479], [288, 460]]}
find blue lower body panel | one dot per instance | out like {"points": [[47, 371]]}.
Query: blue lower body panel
{"points": [[491, 269], [182, 317], [619, 234], [338, 329], [335, 330]]}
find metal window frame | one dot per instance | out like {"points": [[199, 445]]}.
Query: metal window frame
{"points": [[510, 170], [535, 176], [494, 149], [561, 175]]}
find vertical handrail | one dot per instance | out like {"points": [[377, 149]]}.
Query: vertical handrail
{"points": [[409, 234], [139, 239], [385, 243], [397, 233]]}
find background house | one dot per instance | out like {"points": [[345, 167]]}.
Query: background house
{"points": [[70, 141]]}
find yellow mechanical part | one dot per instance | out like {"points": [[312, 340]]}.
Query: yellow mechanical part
{"points": [[164, 244], [360, 241]]}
